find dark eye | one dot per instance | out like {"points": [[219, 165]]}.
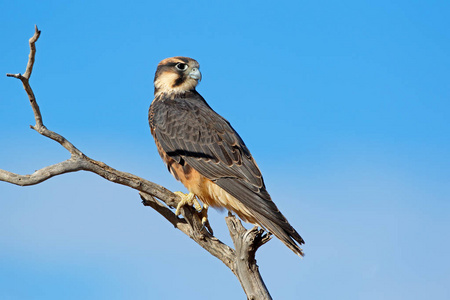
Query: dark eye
{"points": [[181, 66]]}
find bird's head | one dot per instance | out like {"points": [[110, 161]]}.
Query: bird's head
{"points": [[177, 75]]}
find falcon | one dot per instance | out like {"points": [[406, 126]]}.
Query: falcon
{"points": [[203, 151]]}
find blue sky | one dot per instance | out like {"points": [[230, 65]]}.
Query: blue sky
{"points": [[344, 105]]}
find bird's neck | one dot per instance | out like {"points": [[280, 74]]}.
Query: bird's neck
{"points": [[174, 93]]}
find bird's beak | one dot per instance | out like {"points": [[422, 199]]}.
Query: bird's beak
{"points": [[195, 73]]}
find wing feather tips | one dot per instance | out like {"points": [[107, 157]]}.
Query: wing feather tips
{"points": [[285, 233], [263, 210]]}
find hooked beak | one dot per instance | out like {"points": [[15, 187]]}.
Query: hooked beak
{"points": [[195, 73]]}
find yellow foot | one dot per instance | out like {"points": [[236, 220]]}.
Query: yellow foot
{"points": [[205, 221], [187, 199], [204, 214], [191, 200]]}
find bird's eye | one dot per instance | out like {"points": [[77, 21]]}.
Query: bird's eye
{"points": [[181, 66]]}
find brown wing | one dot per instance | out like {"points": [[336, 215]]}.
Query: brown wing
{"points": [[191, 133]]}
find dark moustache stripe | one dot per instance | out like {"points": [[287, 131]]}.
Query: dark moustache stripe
{"points": [[179, 81]]}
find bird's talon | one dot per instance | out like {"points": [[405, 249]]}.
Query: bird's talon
{"points": [[207, 226], [204, 214], [187, 199]]}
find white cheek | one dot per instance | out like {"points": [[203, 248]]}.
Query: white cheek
{"points": [[166, 81]]}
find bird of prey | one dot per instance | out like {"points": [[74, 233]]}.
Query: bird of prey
{"points": [[203, 151]]}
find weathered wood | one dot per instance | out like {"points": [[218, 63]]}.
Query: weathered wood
{"points": [[246, 243], [241, 261]]}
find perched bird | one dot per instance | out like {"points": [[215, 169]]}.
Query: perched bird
{"points": [[203, 151]]}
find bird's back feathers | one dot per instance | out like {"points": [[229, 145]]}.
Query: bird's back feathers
{"points": [[191, 133]]}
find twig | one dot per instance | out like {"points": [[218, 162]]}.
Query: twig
{"points": [[26, 77]]}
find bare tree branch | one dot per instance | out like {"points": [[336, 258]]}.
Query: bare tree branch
{"points": [[246, 243], [240, 261], [192, 226], [67, 166]]}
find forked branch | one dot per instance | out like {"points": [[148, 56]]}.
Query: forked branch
{"points": [[240, 261]]}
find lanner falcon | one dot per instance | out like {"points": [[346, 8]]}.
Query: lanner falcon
{"points": [[203, 151]]}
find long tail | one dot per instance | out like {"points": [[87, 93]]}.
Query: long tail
{"points": [[279, 226], [259, 203]]}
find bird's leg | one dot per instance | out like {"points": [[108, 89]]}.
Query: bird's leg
{"points": [[205, 221], [187, 199], [204, 214], [190, 199]]}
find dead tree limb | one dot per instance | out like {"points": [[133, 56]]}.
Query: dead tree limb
{"points": [[241, 260]]}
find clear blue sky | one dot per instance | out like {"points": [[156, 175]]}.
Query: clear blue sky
{"points": [[344, 104]]}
